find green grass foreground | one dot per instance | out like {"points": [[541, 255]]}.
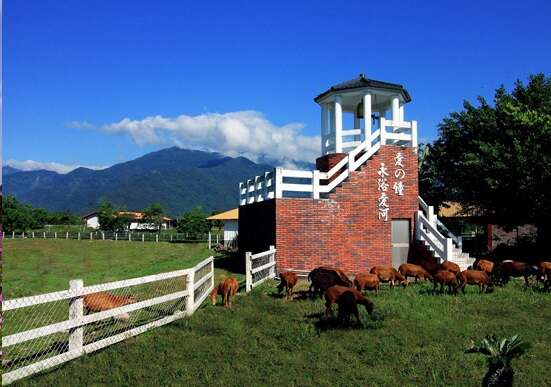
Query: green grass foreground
{"points": [[415, 339], [34, 266]]}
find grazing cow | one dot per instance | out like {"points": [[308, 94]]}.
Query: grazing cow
{"points": [[227, 288], [324, 277], [412, 270], [389, 274], [507, 269], [348, 306], [451, 267], [367, 281], [545, 274], [475, 277], [333, 293], [445, 277], [101, 301], [288, 281], [483, 265]]}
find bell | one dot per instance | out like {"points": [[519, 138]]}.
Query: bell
{"points": [[360, 110]]}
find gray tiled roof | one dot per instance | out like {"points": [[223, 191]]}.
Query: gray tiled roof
{"points": [[363, 81]]}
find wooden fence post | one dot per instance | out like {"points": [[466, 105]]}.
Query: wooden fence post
{"points": [[171, 237], [67, 235], [13, 235], [76, 311], [78, 235], [143, 237], [209, 241], [116, 237], [190, 301], [102, 236], [44, 234], [23, 235], [248, 274], [91, 235], [272, 259], [55, 234], [156, 237]]}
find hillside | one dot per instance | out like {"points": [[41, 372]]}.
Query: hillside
{"points": [[177, 178]]}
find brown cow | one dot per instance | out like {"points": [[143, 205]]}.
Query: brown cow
{"points": [[545, 274], [333, 293], [445, 277], [101, 301], [367, 281], [227, 288], [389, 274], [508, 269], [288, 281], [324, 277], [452, 267], [412, 270], [484, 265], [474, 277]]}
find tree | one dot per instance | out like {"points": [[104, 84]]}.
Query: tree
{"points": [[193, 223], [154, 215], [496, 158]]}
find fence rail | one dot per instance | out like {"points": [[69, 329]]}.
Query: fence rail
{"points": [[46, 330], [280, 183], [116, 236], [259, 267]]}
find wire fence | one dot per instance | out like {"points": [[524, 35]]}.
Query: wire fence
{"points": [[46, 330], [259, 267], [115, 236]]}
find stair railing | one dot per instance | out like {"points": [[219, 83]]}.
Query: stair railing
{"points": [[276, 183]]}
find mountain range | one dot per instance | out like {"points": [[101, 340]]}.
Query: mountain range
{"points": [[178, 179]]}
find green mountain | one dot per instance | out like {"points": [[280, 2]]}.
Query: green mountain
{"points": [[179, 179]]}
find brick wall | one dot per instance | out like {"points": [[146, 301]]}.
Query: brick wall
{"points": [[343, 230]]}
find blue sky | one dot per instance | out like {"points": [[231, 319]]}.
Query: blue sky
{"points": [[91, 82]]}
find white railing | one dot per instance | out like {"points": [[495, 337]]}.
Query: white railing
{"points": [[259, 267], [428, 212], [279, 182], [401, 132], [426, 231], [43, 331]]}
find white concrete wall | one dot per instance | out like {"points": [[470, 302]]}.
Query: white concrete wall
{"points": [[92, 222], [230, 230]]}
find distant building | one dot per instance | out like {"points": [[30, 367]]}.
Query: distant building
{"points": [[91, 220], [229, 219], [137, 222]]}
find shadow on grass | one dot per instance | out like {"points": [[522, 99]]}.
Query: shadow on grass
{"points": [[230, 262], [328, 323]]}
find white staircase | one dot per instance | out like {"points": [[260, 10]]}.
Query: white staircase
{"points": [[443, 244]]}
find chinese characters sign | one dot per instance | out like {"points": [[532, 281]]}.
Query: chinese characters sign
{"points": [[383, 185]]}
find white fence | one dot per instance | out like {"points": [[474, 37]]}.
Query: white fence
{"points": [[46, 330], [113, 236], [281, 182], [259, 267]]}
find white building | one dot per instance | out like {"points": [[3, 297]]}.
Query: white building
{"points": [[229, 220], [137, 220]]}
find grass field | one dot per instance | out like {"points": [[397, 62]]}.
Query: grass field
{"points": [[33, 266], [415, 338]]}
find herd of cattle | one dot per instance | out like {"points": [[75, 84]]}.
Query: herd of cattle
{"points": [[338, 289]]}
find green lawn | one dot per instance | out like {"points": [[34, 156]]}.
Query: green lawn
{"points": [[415, 338], [33, 266]]}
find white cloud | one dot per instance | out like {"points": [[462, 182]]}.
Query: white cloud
{"points": [[31, 165], [80, 125], [242, 133]]}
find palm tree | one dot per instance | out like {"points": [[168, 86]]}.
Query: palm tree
{"points": [[499, 353]]}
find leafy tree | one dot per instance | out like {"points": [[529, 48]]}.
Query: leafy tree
{"points": [[194, 223], [154, 215], [496, 158]]}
